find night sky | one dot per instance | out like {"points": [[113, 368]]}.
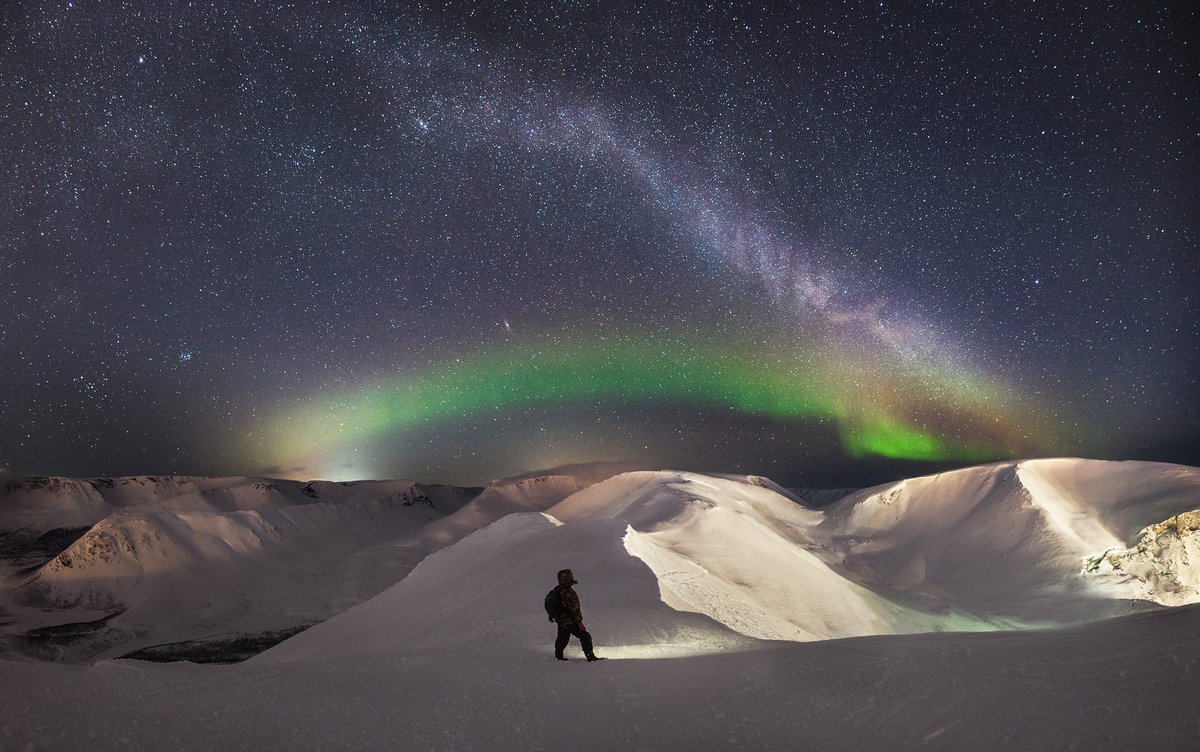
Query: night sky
{"points": [[831, 244]]}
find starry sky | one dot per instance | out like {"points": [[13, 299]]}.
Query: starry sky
{"points": [[833, 243]]}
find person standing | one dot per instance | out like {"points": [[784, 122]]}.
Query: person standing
{"points": [[569, 618]]}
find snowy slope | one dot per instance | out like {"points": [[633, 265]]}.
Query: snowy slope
{"points": [[489, 588], [186, 558], [968, 550], [997, 546], [109, 562], [1124, 684], [180, 575], [1163, 566], [235, 555], [37, 504], [740, 552], [501, 498], [681, 576], [630, 580], [1010, 539], [377, 567], [988, 547]]}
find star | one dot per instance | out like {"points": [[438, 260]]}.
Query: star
{"points": [[830, 244]]}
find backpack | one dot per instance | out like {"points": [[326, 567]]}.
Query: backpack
{"points": [[553, 603]]}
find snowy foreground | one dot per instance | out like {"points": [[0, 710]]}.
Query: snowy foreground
{"points": [[733, 614]]}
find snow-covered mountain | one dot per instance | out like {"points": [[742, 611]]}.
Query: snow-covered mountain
{"points": [[1009, 539], [714, 597], [158, 559], [1012, 544], [985, 548], [33, 505], [1164, 564], [173, 559]]}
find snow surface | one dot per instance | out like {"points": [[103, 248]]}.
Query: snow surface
{"points": [[1163, 566], [1008, 540], [171, 559], [1129, 683], [233, 556], [718, 601]]}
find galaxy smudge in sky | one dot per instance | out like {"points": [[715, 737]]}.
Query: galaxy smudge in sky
{"points": [[830, 244]]}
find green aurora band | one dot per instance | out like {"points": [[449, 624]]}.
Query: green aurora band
{"points": [[885, 415]]}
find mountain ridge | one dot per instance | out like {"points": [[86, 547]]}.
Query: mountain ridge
{"points": [[991, 547]]}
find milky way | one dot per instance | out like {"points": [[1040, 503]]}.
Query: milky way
{"points": [[829, 244]]}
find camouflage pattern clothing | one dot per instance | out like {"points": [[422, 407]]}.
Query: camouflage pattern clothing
{"points": [[568, 610], [570, 619]]}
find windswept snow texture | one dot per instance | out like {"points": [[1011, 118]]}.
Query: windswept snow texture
{"points": [[1009, 540], [970, 550], [989, 547], [180, 560], [1164, 565], [713, 599], [170, 559], [1016, 544]]}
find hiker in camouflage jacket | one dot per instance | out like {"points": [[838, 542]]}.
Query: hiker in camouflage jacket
{"points": [[569, 618]]}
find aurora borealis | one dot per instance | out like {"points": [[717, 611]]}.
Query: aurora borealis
{"points": [[642, 372], [828, 243]]}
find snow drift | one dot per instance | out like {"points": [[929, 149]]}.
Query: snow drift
{"points": [[174, 559], [715, 598], [976, 549], [180, 558], [1010, 539], [1016, 544]]}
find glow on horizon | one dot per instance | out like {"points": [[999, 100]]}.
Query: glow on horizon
{"points": [[898, 414]]}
